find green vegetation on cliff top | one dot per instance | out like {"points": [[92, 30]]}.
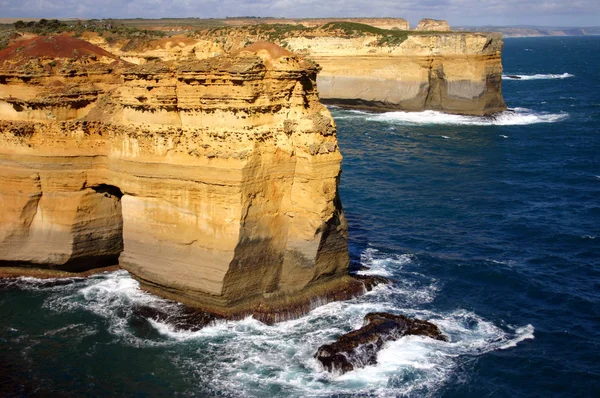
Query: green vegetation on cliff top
{"points": [[107, 28], [134, 30]]}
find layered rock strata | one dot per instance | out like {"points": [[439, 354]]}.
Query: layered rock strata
{"points": [[213, 182], [365, 64], [449, 72]]}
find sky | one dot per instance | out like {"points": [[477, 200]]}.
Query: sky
{"points": [[456, 12]]}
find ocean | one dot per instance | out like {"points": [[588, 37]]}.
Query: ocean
{"points": [[490, 228]]}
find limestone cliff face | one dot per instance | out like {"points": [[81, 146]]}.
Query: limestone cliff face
{"points": [[213, 182], [175, 48], [364, 66], [451, 72], [382, 23]]}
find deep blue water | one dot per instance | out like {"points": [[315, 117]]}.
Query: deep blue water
{"points": [[491, 229]]}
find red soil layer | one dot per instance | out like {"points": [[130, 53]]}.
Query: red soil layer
{"points": [[52, 47], [274, 50]]}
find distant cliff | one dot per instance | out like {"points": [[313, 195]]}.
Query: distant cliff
{"points": [[364, 66], [449, 72], [214, 182]]}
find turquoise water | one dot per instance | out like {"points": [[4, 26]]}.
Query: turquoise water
{"points": [[490, 228]]}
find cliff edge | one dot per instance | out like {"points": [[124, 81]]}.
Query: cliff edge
{"points": [[449, 72], [363, 66], [213, 182]]}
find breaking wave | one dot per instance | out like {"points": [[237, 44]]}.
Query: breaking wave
{"points": [[511, 117], [538, 76], [247, 357]]}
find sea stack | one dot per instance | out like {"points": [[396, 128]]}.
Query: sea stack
{"points": [[451, 72], [213, 182]]}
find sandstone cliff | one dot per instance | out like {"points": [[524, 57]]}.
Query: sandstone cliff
{"points": [[214, 182], [381, 23], [449, 72], [368, 67]]}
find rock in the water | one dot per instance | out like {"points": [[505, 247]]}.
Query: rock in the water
{"points": [[359, 348], [180, 317], [370, 281]]}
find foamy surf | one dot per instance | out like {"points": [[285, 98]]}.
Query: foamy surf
{"points": [[279, 358], [538, 76], [511, 117], [247, 357], [112, 297]]}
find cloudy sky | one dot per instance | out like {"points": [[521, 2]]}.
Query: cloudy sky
{"points": [[457, 12]]}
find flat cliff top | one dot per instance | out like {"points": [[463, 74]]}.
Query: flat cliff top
{"points": [[337, 38], [142, 41], [383, 23], [44, 53]]}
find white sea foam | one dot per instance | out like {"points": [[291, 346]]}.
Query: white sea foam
{"points": [[512, 117], [254, 357], [63, 329], [382, 264], [247, 357], [111, 296], [521, 334], [503, 262], [538, 76]]}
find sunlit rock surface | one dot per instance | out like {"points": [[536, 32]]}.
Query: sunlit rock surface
{"points": [[449, 72], [213, 182]]}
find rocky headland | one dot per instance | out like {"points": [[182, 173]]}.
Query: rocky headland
{"points": [[213, 182], [204, 163], [449, 72], [372, 64]]}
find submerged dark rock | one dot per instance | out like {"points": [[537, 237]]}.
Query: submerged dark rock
{"points": [[359, 348], [370, 281], [179, 316]]}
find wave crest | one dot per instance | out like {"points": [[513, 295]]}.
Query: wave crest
{"points": [[538, 76], [242, 358], [511, 117]]}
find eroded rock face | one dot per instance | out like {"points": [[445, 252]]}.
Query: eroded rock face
{"points": [[450, 72], [359, 348], [214, 182], [429, 68]]}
